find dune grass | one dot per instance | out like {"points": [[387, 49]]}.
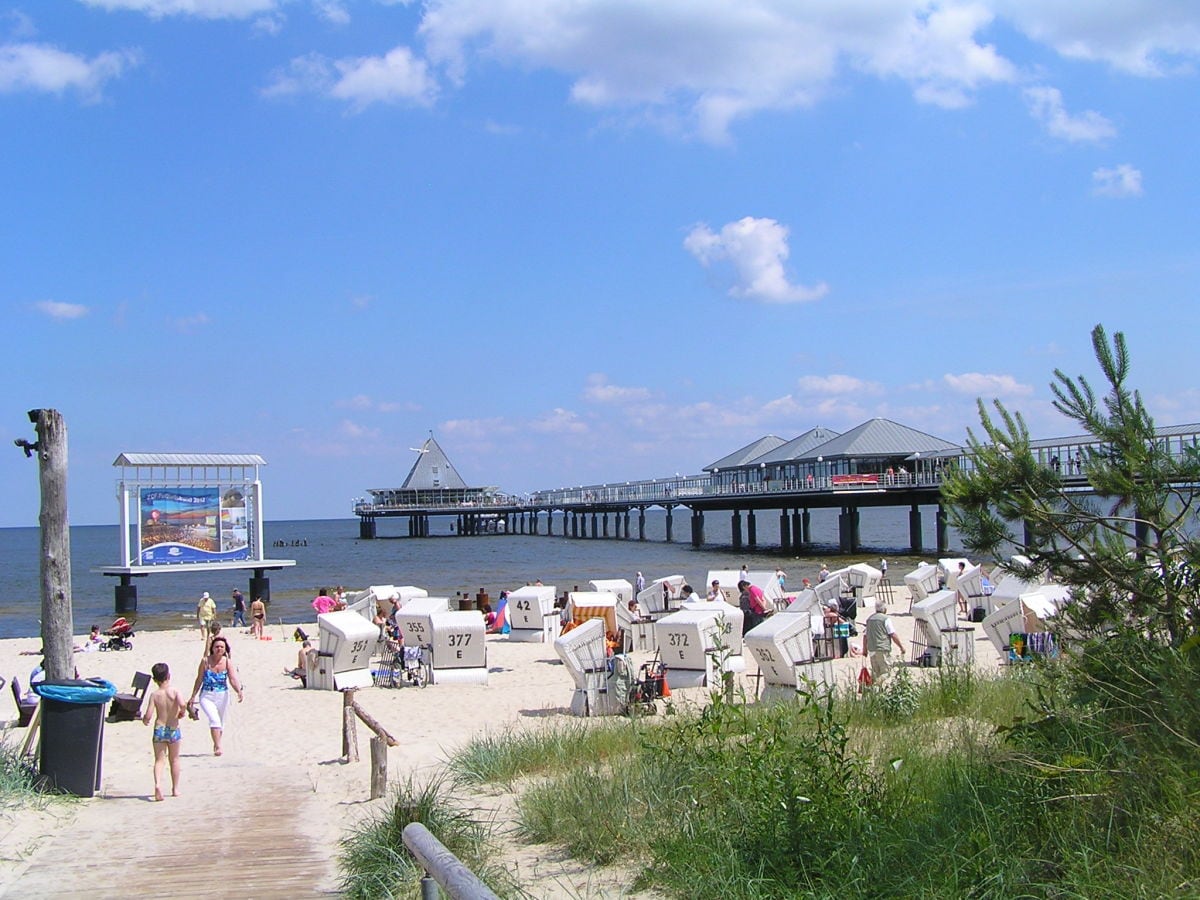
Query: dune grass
{"points": [[19, 779], [376, 864], [1040, 781]]}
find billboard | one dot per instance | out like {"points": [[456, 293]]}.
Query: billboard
{"points": [[192, 524]]}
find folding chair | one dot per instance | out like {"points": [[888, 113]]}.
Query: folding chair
{"points": [[127, 706], [25, 705]]}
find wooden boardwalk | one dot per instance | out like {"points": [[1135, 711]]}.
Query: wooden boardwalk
{"points": [[244, 836]]}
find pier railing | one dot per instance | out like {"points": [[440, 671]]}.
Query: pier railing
{"points": [[668, 491]]}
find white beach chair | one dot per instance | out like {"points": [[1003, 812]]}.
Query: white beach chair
{"points": [[585, 654]]}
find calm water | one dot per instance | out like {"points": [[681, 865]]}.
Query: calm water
{"points": [[332, 554]]}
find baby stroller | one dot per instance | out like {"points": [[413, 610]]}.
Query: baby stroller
{"points": [[118, 634], [650, 686]]}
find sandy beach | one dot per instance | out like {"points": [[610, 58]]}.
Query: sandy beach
{"points": [[280, 797]]}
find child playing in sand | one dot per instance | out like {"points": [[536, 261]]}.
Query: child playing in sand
{"points": [[168, 707]]}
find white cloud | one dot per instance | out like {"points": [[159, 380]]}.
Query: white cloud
{"points": [[598, 390], [1143, 37], [837, 384], [56, 309], [716, 62], [1121, 181], [190, 323], [757, 250], [355, 432], [332, 11], [559, 421], [366, 403], [201, 9], [935, 50], [475, 429], [397, 77], [1046, 105], [40, 67], [978, 384]]}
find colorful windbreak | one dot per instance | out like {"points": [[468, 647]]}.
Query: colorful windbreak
{"points": [[192, 524]]}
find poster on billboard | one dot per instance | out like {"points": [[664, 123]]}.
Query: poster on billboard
{"points": [[192, 525]]}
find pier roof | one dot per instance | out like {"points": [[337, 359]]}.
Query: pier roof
{"points": [[432, 470], [797, 447], [880, 437], [743, 456]]}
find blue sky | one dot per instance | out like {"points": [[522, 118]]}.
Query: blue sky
{"points": [[578, 240]]}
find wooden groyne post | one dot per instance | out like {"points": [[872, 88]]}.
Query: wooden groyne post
{"points": [[351, 713], [57, 626]]}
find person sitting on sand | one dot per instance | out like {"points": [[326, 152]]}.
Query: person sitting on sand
{"points": [[302, 661], [489, 617], [166, 707]]}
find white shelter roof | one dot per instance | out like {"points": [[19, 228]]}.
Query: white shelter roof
{"points": [[189, 459]]}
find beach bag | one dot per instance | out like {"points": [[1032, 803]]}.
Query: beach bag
{"points": [[864, 678]]}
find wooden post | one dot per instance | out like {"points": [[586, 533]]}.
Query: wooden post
{"points": [[378, 767], [349, 729], [57, 626]]}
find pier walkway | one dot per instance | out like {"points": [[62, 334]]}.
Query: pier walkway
{"points": [[236, 831]]}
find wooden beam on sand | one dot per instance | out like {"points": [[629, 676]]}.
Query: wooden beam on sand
{"points": [[351, 712]]}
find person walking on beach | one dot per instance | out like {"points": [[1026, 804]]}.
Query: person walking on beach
{"points": [[216, 675], [323, 603], [781, 577], [258, 617], [823, 574], [166, 707], [206, 608], [639, 585], [753, 609], [878, 639], [239, 609]]}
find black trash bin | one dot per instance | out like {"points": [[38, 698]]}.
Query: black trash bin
{"points": [[73, 732]]}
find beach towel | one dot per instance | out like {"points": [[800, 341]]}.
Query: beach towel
{"points": [[501, 624]]}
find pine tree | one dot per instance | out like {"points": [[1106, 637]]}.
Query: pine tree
{"points": [[1126, 544]]}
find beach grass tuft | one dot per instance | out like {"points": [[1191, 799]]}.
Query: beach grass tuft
{"points": [[19, 779], [376, 864]]}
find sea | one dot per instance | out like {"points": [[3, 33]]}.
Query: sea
{"points": [[329, 553]]}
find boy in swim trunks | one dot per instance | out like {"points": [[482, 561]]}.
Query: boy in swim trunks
{"points": [[167, 707]]}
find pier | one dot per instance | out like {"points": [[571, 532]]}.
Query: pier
{"points": [[853, 482]]}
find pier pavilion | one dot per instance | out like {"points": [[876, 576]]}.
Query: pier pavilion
{"points": [[433, 487], [879, 463]]}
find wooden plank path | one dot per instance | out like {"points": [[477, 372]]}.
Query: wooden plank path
{"points": [[239, 832]]}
